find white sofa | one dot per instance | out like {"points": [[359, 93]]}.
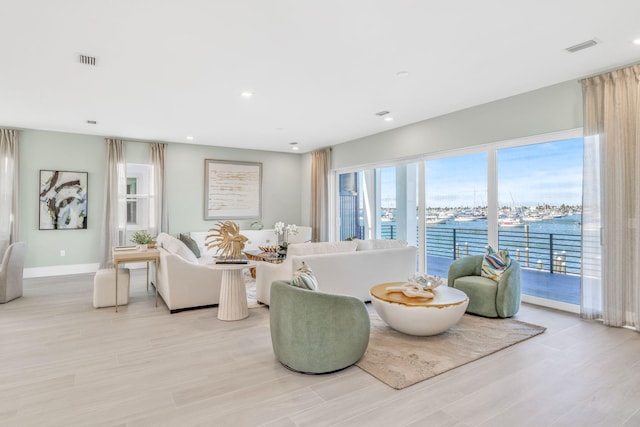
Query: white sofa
{"points": [[347, 268], [185, 281]]}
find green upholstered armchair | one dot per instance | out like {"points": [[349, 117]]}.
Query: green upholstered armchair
{"points": [[487, 297], [314, 332]]}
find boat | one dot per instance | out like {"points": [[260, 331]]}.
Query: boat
{"points": [[464, 218], [434, 219], [510, 222]]}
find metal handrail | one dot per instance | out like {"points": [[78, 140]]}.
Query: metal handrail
{"points": [[552, 252]]}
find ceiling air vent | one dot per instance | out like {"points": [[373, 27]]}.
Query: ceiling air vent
{"points": [[580, 46], [88, 60]]}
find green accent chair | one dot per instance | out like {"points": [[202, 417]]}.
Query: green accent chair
{"points": [[314, 332], [487, 297]]}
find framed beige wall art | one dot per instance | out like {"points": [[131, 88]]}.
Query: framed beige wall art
{"points": [[232, 190]]}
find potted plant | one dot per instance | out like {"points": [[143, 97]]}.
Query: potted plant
{"points": [[142, 238], [281, 230]]}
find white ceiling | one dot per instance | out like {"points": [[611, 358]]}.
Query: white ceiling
{"points": [[319, 70]]}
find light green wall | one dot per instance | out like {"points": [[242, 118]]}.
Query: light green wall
{"points": [[549, 109], [185, 182], [60, 151], [281, 185]]}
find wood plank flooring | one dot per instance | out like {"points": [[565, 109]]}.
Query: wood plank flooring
{"points": [[64, 363]]}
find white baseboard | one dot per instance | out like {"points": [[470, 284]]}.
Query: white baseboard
{"points": [[65, 270]]}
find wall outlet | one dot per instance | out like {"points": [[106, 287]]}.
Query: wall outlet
{"points": [[63, 253]]}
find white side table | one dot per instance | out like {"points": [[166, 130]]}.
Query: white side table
{"points": [[233, 292]]}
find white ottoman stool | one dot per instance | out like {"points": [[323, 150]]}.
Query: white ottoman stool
{"points": [[104, 287]]}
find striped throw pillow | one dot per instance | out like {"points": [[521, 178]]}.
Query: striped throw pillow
{"points": [[495, 263], [304, 278]]}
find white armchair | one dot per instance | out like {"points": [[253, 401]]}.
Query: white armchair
{"points": [[11, 272]]}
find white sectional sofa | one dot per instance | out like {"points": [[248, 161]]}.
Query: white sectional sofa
{"points": [[347, 268]]}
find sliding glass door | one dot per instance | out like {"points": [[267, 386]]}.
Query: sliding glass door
{"points": [[524, 196], [539, 216], [379, 203], [456, 209]]}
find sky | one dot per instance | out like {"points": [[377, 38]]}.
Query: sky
{"points": [[549, 173]]}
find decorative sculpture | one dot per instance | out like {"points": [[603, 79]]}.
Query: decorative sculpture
{"points": [[227, 238], [418, 286]]}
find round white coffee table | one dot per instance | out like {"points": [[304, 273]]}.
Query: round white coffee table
{"points": [[233, 292], [419, 316]]}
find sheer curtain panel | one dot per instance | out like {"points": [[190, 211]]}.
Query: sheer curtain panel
{"points": [[115, 201], [612, 196], [8, 188], [320, 165], [159, 214]]}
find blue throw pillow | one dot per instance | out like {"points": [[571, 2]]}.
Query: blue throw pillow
{"points": [[495, 263], [304, 278]]}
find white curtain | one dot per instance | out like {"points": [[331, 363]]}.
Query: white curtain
{"points": [[159, 219], [320, 165], [9, 165], [611, 199], [114, 220]]}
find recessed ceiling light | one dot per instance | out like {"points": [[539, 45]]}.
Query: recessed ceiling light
{"points": [[246, 94], [382, 113], [388, 119], [190, 138], [402, 74], [92, 122], [636, 42], [294, 145]]}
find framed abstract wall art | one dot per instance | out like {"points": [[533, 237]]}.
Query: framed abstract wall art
{"points": [[63, 200], [232, 190]]}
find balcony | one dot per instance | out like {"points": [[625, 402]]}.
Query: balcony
{"points": [[551, 262]]}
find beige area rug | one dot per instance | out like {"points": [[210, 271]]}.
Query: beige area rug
{"points": [[401, 360]]}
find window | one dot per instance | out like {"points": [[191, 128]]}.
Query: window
{"points": [[379, 203], [522, 195], [139, 197], [539, 215], [456, 209]]}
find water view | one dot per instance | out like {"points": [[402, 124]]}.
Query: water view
{"points": [[538, 192]]}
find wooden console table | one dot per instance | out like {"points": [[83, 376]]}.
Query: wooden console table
{"points": [[135, 255]]}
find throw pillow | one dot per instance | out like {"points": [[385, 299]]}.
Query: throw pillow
{"points": [[191, 244], [495, 263], [304, 278], [177, 247]]}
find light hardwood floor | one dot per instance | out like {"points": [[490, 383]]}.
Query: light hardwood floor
{"points": [[64, 363]]}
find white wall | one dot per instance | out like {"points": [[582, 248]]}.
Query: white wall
{"points": [[185, 178]]}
